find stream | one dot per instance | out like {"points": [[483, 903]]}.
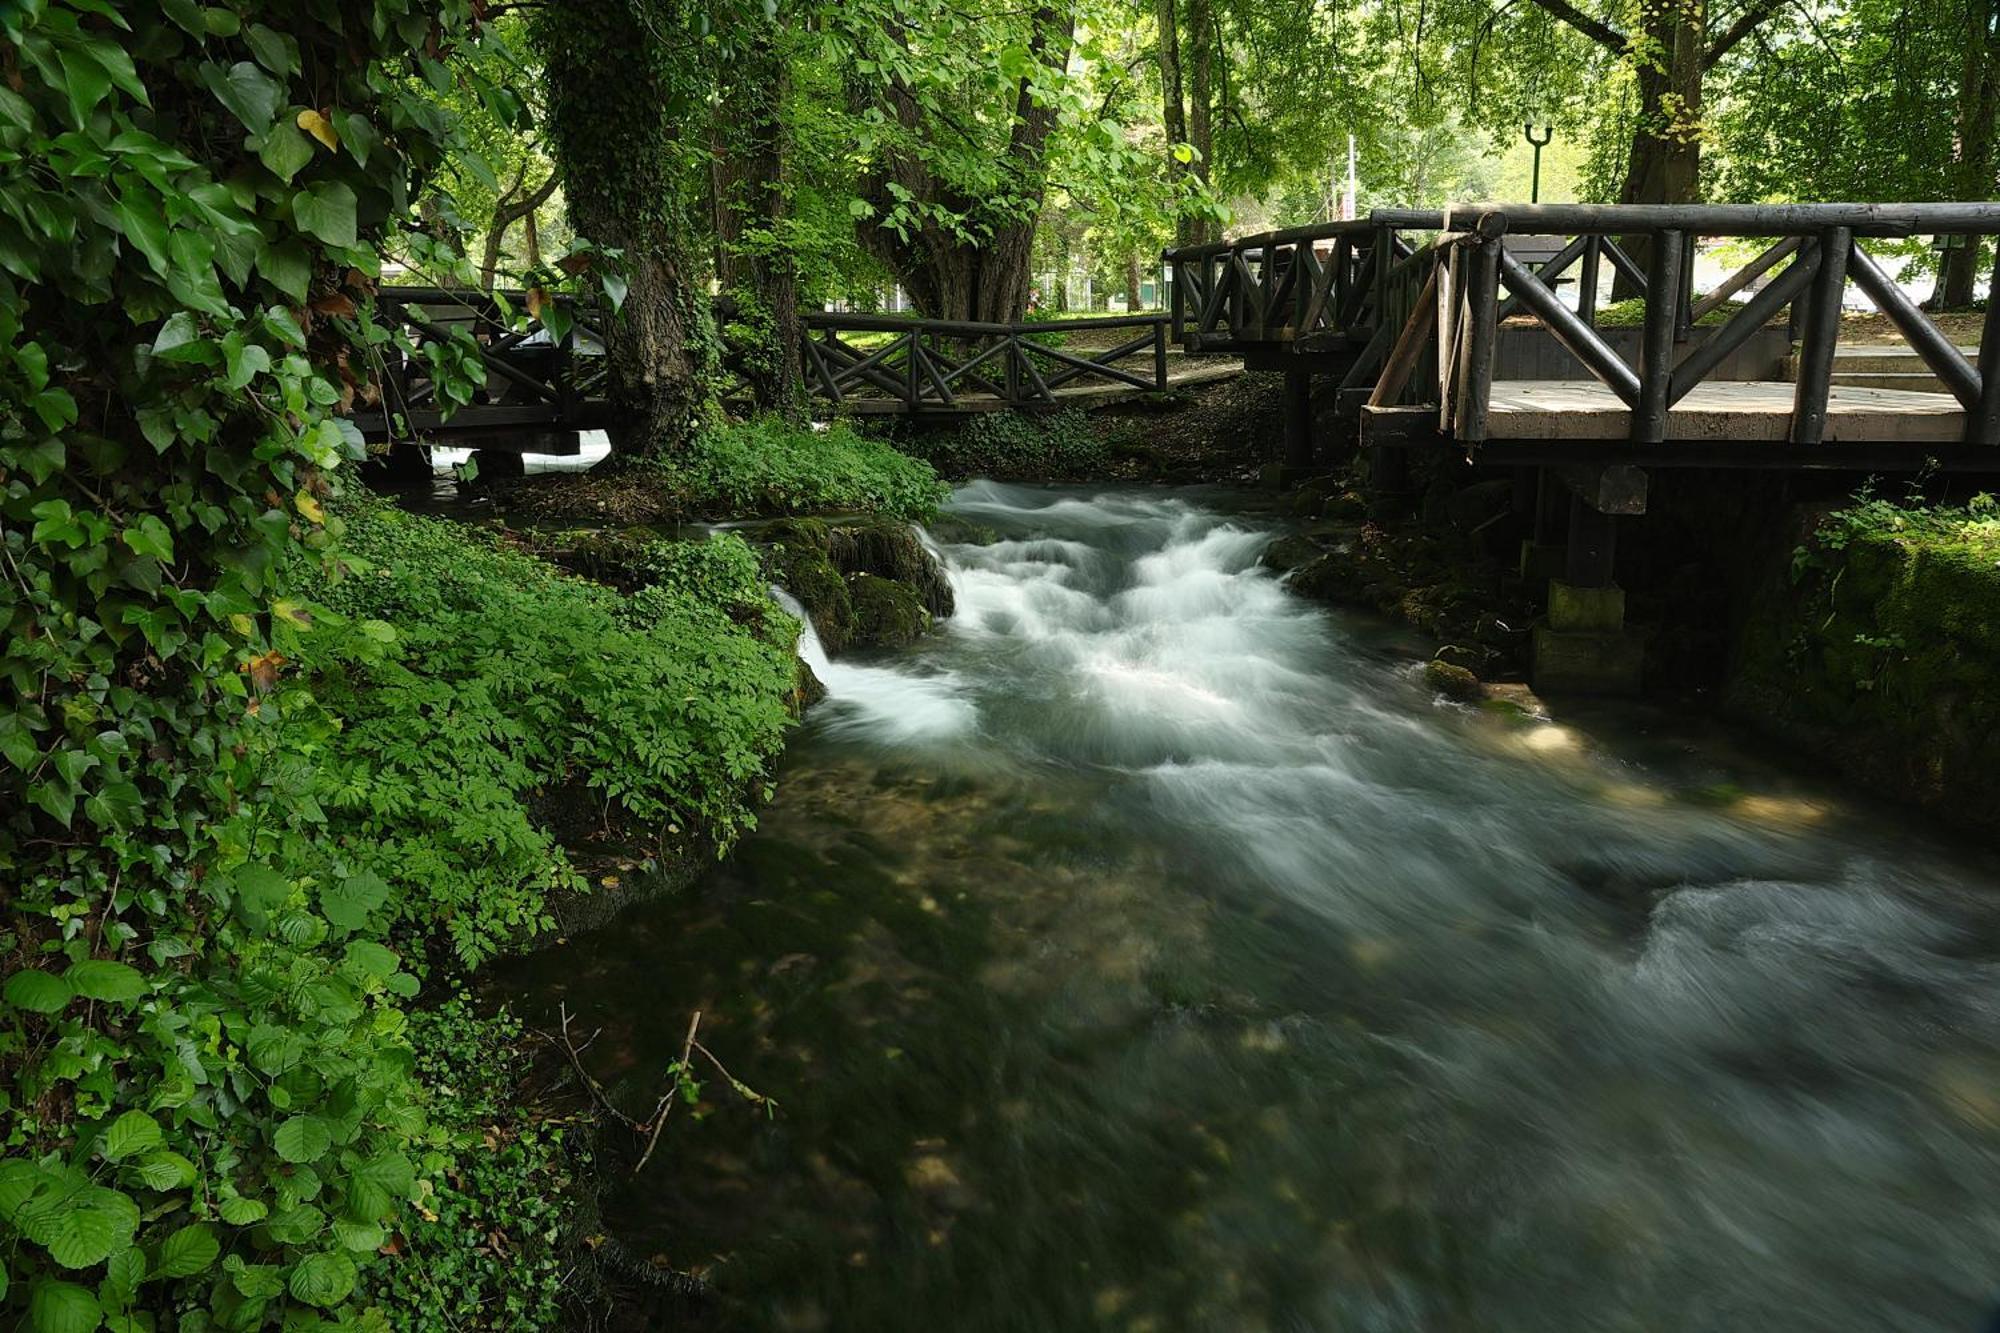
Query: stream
{"points": [[1149, 950]]}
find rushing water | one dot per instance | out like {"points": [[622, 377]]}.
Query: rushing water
{"points": [[1150, 951]]}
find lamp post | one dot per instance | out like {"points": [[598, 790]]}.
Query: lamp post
{"points": [[1535, 181]]}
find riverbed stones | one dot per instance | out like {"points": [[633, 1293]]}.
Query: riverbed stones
{"points": [[869, 583], [1453, 682]]}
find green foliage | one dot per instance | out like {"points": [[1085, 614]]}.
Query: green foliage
{"points": [[769, 466], [1014, 444], [488, 1248], [503, 680], [204, 1096]]}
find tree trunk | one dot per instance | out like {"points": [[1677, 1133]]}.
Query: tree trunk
{"points": [[531, 239], [760, 190], [1663, 162], [513, 208], [610, 72], [1971, 174], [1132, 301], [1201, 106]]}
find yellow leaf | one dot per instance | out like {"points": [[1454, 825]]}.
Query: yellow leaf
{"points": [[291, 611], [242, 625], [537, 298], [309, 507], [320, 128]]}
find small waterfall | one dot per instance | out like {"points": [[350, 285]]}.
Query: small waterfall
{"points": [[894, 705]]}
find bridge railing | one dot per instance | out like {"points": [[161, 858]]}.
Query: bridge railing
{"points": [[543, 371], [1479, 281], [934, 365], [1316, 287]]}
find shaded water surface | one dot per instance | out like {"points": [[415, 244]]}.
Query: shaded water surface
{"points": [[1150, 951]]}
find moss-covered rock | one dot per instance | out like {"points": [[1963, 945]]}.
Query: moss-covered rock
{"points": [[887, 614], [796, 554], [1877, 644], [889, 549]]}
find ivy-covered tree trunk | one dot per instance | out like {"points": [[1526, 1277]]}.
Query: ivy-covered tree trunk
{"points": [[623, 76], [753, 216]]}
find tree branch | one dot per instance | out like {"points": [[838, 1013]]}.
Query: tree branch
{"points": [[1746, 23], [1601, 33]]}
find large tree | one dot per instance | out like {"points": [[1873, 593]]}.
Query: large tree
{"points": [[960, 114]]}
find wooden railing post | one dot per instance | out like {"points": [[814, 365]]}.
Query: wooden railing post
{"points": [[1586, 282], [1160, 356], [912, 370], [1983, 425], [1656, 343], [1177, 298], [1684, 293], [1482, 312], [1821, 331]]}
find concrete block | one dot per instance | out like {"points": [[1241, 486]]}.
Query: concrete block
{"points": [[1585, 610], [1587, 663]]}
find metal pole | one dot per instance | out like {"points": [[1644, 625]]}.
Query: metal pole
{"points": [[1535, 183]]}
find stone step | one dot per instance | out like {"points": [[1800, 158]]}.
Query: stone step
{"points": [[1922, 381]]}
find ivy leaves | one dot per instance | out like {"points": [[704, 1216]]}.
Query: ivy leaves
{"points": [[207, 1100]]}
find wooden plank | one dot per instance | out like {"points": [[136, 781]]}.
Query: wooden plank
{"points": [[1741, 410]]}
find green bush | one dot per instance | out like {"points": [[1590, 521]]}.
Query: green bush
{"points": [[487, 1247], [1014, 444], [504, 680], [769, 466]]}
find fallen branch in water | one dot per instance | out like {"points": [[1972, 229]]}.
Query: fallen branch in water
{"points": [[682, 1085], [666, 1105]]}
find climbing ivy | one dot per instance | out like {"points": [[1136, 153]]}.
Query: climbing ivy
{"points": [[204, 1100]]}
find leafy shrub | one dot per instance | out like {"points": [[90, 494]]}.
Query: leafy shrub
{"points": [[1014, 444], [769, 466], [487, 1247], [504, 679]]}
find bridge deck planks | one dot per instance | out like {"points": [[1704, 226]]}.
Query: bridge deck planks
{"points": [[1750, 411]]}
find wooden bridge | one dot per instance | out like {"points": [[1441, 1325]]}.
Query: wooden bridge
{"points": [[544, 377], [1415, 314], [1450, 332]]}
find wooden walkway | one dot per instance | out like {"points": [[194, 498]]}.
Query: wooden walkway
{"points": [[1183, 372], [1748, 411]]}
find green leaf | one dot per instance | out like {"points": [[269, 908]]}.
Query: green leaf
{"points": [[140, 218], [242, 361], [81, 1227], [102, 979], [275, 51], [323, 1279], [37, 992], [371, 959], [285, 151], [149, 536], [85, 80], [286, 266], [241, 1212], [251, 94], [164, 1171], [123, 1272], [188, 1251], [178, 333], [349, 903], [191, 276], [131, 1133], [303, 1138], [326, 210], [64, 1307]]}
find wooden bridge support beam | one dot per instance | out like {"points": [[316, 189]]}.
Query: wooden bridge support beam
{"points": [[1298, 421]]}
